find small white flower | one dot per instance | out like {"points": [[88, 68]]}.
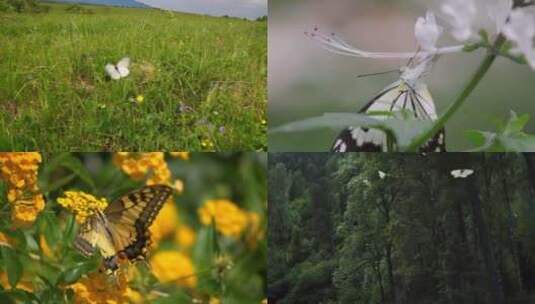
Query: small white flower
{"points": [[521, 30], [461, 15], [382, 175], [499, 11], [427, 32]]}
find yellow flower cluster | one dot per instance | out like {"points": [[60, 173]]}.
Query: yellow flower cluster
{"points": [[165, 223], [19, 170], [97, 288], [150, 165], [207, 144], [83, 205], [185, 237], [173, 266], [229, 219]]}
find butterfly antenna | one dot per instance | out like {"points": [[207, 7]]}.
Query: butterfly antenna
{"points": [[411, 60], [375, 74]]}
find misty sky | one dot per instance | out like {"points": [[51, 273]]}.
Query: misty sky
{"points": [[235, 8]]}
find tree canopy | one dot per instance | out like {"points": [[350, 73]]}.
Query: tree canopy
{"points": [[401, 228]]}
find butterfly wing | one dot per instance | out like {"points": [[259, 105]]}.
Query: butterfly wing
{"points": [[122, 230], [395, 97], [130, 216], [93, 235], [112, 72], [359, 139], [122, 67]]}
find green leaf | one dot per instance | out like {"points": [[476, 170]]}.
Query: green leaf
{"points": [[60, 182], [484, 36], [66, 160], [402, 126], [510, 139], [516, 124], [70, 229], [76, 166], [328, 120], [50, 228], [204, 249], [73, 274], [12, 265]]}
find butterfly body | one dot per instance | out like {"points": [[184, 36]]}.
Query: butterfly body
{"points": [[120, 70], [121, 230]]}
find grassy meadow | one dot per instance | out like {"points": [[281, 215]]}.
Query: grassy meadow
{"points": [[197, 83]]}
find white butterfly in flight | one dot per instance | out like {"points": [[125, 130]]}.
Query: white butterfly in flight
{"points": [[120, 70], [382, 175], [461, 173]]}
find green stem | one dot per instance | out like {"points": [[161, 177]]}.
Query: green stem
{"points": [[470, 86]]}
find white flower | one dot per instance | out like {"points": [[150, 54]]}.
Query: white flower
{"points": [[427, 32], [461, 15], [521, 30], [499, 11]]}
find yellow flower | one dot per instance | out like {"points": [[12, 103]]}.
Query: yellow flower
{"points": [[179, 186], [83, 205], [264, 301], [207, 144], [99, 288], [5, 240], [264, 122], [165, 222], [229, 219], [133, 295], [140, 98], [185, 237], [19, 170], [22, 284], [181, 155], [138, 166], [24, 212], [172, 266], [214, 300]]}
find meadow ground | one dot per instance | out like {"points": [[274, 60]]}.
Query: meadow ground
{"points": [[202, 81]]}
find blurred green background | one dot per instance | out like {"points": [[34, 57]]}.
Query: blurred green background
{"points": [[305, 80]]}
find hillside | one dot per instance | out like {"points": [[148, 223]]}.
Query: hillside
{"points": [[120, 3]]}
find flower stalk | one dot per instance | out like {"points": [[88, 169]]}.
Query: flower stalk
{"points": [[470, 86]]}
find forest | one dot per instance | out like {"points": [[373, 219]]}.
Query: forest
{"points": [[401, 228]]}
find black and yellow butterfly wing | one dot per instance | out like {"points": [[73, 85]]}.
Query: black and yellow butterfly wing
{"points": [[121, 231]]}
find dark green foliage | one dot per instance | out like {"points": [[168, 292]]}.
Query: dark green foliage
{"points": [[20, 6], [78, 9], [418, 235]]}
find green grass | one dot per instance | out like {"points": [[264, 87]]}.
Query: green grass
{"points": [[54, 95]]}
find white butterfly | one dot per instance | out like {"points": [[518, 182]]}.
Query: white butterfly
{"points": [[120, 70], [382, 175], [461, 173]]}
